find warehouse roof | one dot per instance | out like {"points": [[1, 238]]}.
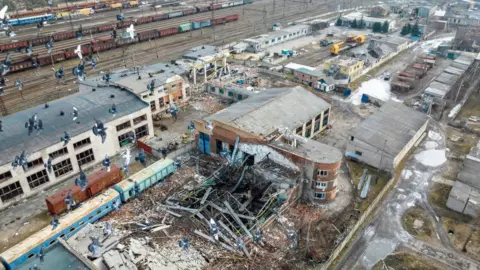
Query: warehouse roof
{"points": [[161, 73], [263, 113], [14, 138], [471, 169], [312, 150], [394, 123], [199, 52]]}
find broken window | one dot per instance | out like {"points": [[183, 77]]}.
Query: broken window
{"points": [[37, 179], [319, 195], [321, 184], [59, 153], [141, 131], [81, 143], [322, 173], [11, 191], [85, 157], [352, 138], [62, 167], [5, 176], [124, 125], [153, 107]]}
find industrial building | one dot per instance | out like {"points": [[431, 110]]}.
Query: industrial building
{"points": [[260, 43], [275, 124], [385, 137], [450, 78], [465, 194], [84, 149], [169, 84], [348, 19], [349, 66]]}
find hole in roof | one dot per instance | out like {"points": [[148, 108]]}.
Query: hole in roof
{"points": [[112, 96]]}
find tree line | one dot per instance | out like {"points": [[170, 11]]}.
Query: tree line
{"points": [[377, 27]]}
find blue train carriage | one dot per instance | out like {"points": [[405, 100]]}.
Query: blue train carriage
{"points": [[145, 178], [30, 20], [88, 212]]}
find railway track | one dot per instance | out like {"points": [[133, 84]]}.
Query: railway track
{"points": [[42, 87]]}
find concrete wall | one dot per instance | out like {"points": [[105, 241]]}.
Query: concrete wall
{"points": [[410, 144], [370, 155], [175, 91], [456, 203], [111, 147]]}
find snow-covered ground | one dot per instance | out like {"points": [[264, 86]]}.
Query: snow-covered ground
{"points": [[376, 88], [428, 45], [432, 157]]}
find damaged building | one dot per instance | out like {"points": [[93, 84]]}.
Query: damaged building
{"points": [[277, 123]]}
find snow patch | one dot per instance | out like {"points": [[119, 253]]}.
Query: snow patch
{"points": [[375, 88], [432, 157], [407, 174], [434, 135], [431, 145]]}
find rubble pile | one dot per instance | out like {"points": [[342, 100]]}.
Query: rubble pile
{"points": [[207, 102], [145, 254]]}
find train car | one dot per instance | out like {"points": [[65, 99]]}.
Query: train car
{"points": [[126, 41], [125, 24], [227, 4], [116, 6], [97, 182], [189, 11], [143, 20], [89, 31], [21, 65], [159, 17], [231, 18], [63, 36], [218, 21], [133, 4], [106, 27], [30, 20], [13, 45], [184, 27], [175, 14], [40, 40], [145, 178], [85, 11], [168, 32], [148, 35], [69, 224], [202, 8], [215, 6], [237, 3]]}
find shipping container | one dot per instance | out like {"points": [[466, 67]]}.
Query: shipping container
{"points": [[175, 14], [184, 27], [96, 182], [64, 36], [167, 32]]}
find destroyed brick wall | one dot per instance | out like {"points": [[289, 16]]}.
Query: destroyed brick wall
{"points": [[260, 151]]}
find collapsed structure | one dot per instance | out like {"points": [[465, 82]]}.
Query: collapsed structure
{"points": [[276, 123]]}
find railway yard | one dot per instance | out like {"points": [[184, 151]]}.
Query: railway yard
{"points": [[238, 135]]}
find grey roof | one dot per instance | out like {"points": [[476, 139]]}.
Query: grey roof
{"points": [[128, 78], [440, 86], [446, 78], [309, 72], [470, 173], [459, 65], [394, 123], [200, 51], [313, 150], [454, 71], [264, 112], [90, 105], [460, 191]]}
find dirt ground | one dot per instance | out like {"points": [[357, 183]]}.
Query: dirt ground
{"points": [[417, 222], [458, 232], [407, 260], [356, 171]]}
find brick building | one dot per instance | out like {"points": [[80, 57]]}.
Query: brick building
{"points": [[277, 123]]}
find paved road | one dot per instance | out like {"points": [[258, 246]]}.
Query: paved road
{"points": [[385, 232]]}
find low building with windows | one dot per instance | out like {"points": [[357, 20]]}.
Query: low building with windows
{"points": [[170, 86], [349, 66], [385, 137], [260, 43], [133, 117], [278, 124]]}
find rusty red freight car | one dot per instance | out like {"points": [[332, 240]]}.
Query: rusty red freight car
{"points": [[14, 45], [169, 31], [143, 20], [64, 36], [106, 27], [159, 17], [125, 24], [21, 65], [189, 11], [231, 18], [216, 6], [147, 35], [40, 40], [97, 182]]}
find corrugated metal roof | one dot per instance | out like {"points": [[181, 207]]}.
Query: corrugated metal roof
{"points": [[263, 113], [446, 78], [454, 71], [90, 105], [313, 150], [394, 123]]}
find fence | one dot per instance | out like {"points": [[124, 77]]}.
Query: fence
{"points": [[360, 222]]}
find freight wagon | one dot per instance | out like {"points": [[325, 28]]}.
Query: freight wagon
{"points": [[96, 182], [110, 26], [107, 43], [89, 211]]}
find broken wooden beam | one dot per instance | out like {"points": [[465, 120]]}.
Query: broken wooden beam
{"points": [[174, 214], [181, 208], [205, 196], [237, 219], [159, 228], [225, 211]]}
